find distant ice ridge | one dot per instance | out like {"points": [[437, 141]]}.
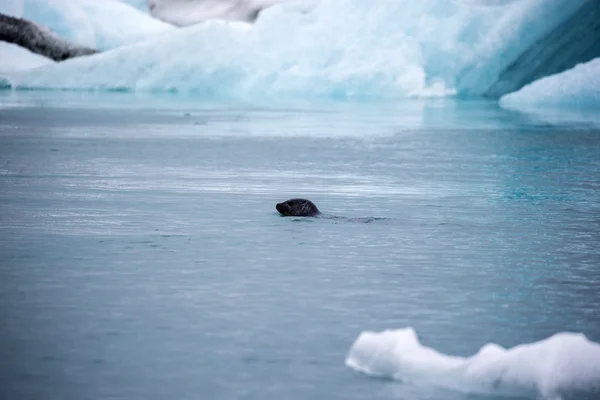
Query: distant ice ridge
{"points": [[578, 87], [564, 365], [321, 48]]}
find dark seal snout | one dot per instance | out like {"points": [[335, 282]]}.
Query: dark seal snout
{"points": [[297, 208], [283, 208]]}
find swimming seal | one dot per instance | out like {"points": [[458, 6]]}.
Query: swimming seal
{"points": [[306, 208], [297, 208]]}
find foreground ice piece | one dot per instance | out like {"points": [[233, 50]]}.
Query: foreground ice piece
{"points": [[578, 87], [563, 365]]}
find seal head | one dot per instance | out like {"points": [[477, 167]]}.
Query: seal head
{"points": [[297, 208]]}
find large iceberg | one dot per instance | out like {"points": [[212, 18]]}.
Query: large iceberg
{"points": [[314, 48], [331, 48], [566, 365]]}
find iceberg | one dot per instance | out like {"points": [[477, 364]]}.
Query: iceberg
{"points": [[561, 366], [578, 87], [330, 49], [574, 38]]}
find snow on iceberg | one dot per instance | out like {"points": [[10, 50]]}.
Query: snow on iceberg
{"points": [[141, 5], [578, 87], [14, 8], [101, 25], [189, 12], [558, 367], [15, 58]]}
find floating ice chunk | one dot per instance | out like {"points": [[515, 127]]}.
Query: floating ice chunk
{"points": [[578, 87], [561, 365]]}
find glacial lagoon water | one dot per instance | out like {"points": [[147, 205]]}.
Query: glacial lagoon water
{"points": [[141, 256]]}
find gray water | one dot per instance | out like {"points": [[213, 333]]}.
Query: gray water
{"points": [[141, 256]]}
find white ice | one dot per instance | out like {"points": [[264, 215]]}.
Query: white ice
{"points": [[16, 58], [562, 365], [578, 87], [189, 12]]}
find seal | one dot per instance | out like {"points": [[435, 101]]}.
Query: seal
{"points": [[297, 208], [306, 208]]}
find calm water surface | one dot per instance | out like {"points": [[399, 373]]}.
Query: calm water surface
{"points": [[141, 256]]}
